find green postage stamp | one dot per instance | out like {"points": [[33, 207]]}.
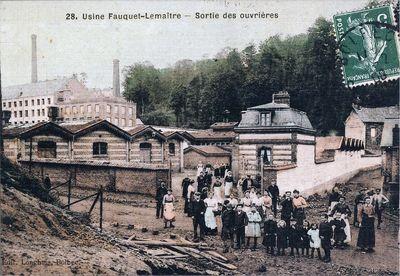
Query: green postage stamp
{"points": [[368, 45]]}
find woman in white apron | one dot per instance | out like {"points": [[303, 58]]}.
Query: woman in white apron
{"points": [[169, 210], [217, 189], [228, 184], [209, 217]]}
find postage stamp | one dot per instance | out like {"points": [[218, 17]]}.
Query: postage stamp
{"points": [[368, 45]]}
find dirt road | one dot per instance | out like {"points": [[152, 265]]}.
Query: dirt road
{"points": [[140, 212]]}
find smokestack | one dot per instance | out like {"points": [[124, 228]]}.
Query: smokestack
{"points": [[116, 78], [34, 77]]}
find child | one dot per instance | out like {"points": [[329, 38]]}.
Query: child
{"points": [[253, 229], [305, 239], [270, 228], [281, 237], [315, 240], [294, 238], [338, 233]]}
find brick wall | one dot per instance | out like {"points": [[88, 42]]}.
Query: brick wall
{"points": [[118, 178], [175, 158], [116, 149], [193, 158], [157, 155], [62, 146]]}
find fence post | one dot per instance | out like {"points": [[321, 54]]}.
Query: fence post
{"points": [[101, 208], [69, 192]]}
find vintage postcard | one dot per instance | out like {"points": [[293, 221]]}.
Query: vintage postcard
{"points": [[212, 137]]}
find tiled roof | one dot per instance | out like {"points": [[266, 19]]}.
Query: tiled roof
{"points": [[209, 150], [137, 129], [377, 114], [209, 134], [40, 88], [77, 126], [14, 131], [224, 125]]}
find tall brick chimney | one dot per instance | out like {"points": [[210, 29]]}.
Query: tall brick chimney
{"points": [[281, 97], [34, 77], [396, 135], [116, 83]]}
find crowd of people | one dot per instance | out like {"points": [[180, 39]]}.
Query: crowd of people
{"points": [[243, 215]]}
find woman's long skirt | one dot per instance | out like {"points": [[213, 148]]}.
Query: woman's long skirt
{"points": [[210, 221], [169, 212], [366, 235]]}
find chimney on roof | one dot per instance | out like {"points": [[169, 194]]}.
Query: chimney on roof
{"points": [[281, 97], [34, 77], [116, 84]]}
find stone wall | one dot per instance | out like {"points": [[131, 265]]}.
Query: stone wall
{"points": [[310, 177], [130, 179]]}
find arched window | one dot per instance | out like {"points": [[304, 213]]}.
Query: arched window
{"points": [[100, 148], [145, 152], [47, 149], [265, 155], [171, 148]]}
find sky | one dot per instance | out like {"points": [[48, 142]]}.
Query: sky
{"points": [[74, 46]]}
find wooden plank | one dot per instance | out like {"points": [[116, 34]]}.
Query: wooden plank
{"points": [[217, 255]]}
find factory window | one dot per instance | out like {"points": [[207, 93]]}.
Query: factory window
{"points": [[26, 102], [15, 114], [116, 121], [116, 109], [4, 104], [123, 109], [123, 122], [26, 113], [67, 110], [43, 112], [33, 112], [15, 104], [171, 148], [100, 148], [47, 149], [61, 110], [265, 119], [82, 108], [48, 100], [38, 101], [373, 132], [74, 110], [265, 155], [97, 108], [9, 104], [89, 108], [33, 102], [20, 113], [42, 101], [130, 110], [38, 112], [145, 152], [108, 108], [20, 103]]}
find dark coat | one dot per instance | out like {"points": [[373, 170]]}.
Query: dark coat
{"points": [[342, 208], [305, 238], [247, 183], [201, 183], [198, 208], [281, 237], [270, 228], [325, 233], [334, 197], [294, 236], [338, 233], [161, 192], [185, 185], [287, 208], [228, 223], [241, 220], [273, 191], [47, 183]]}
